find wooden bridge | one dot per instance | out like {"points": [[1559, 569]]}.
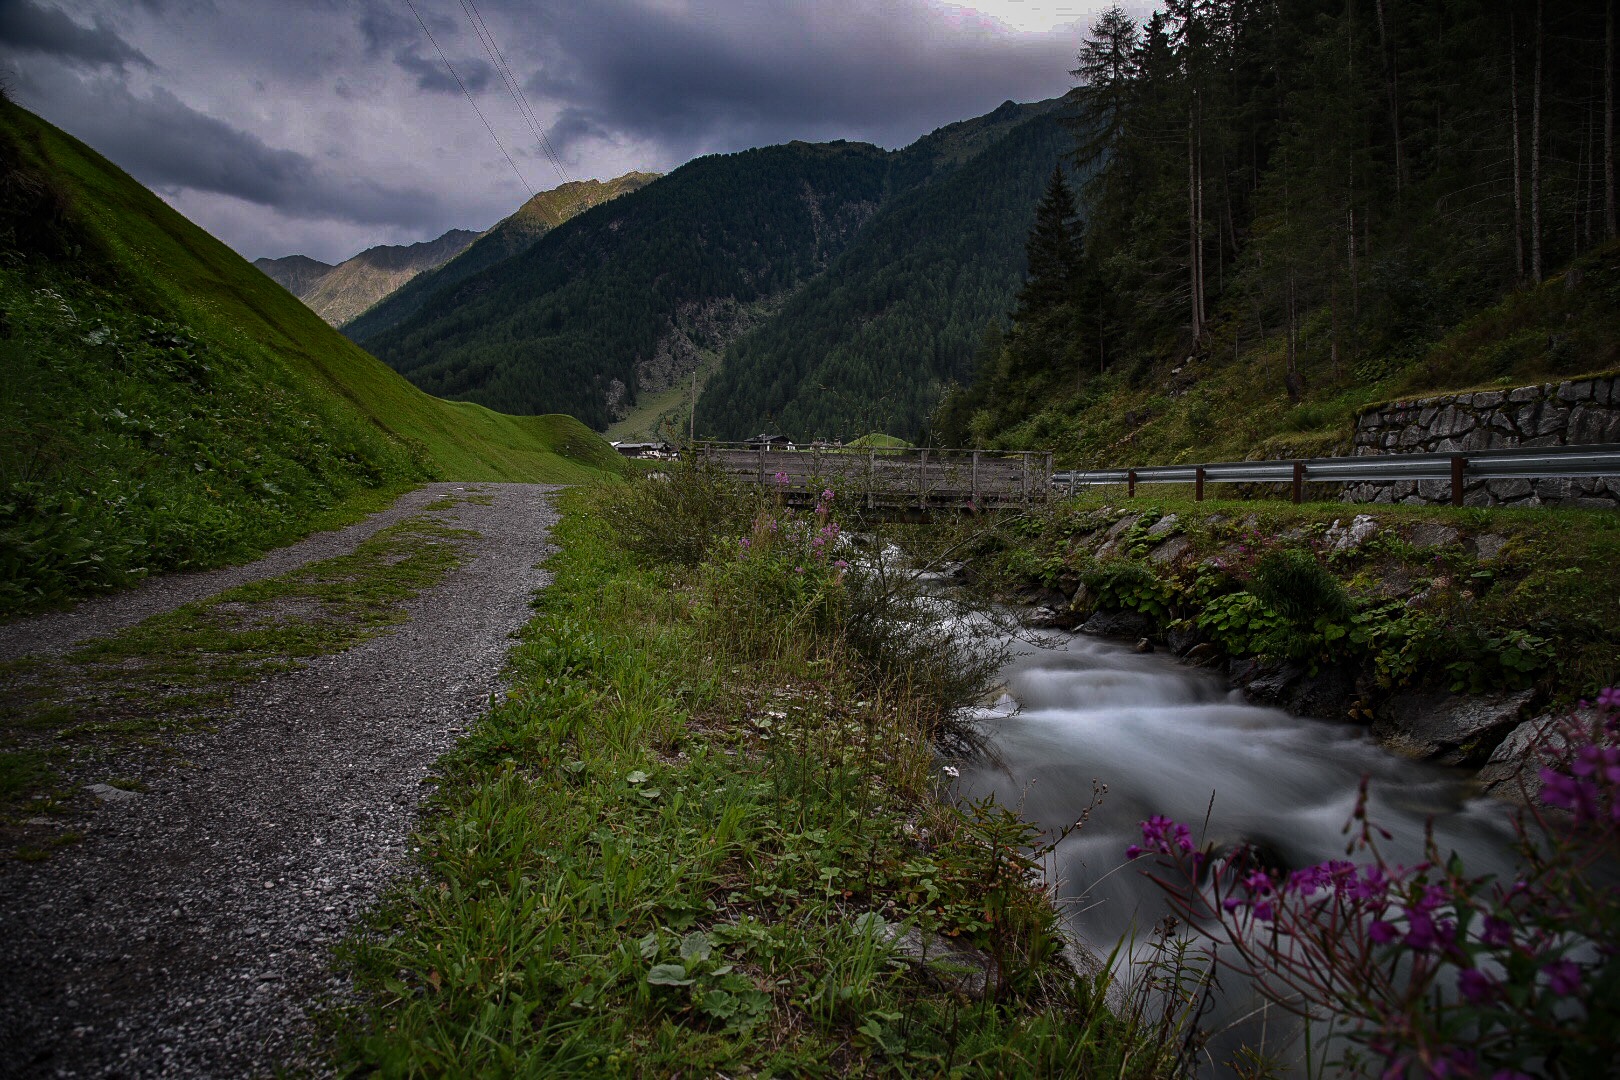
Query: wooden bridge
{"points": [[900, 478]]}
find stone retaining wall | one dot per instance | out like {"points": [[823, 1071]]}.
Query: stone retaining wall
{"points": [[1552, 414]]}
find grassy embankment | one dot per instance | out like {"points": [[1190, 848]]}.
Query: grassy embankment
{"points": [[679, 844], [165, 405], [101, 711], [1227, 402], [1434, 597]]}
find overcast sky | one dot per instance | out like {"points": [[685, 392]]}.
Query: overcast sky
{"points": [[323, 127]]}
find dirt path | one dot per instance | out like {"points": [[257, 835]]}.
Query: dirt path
{"points": [[190, 930]]}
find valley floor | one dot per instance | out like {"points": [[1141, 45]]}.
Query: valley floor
{"points": [[188, 932]]}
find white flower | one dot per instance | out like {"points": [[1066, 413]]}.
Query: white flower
{"points": [[951, 771]]}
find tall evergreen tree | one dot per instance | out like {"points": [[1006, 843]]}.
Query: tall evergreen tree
{"points": [[1053, 250]]}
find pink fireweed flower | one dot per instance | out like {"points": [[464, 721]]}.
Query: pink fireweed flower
{"points": [[1609, 697], [827, 496], [1160, 834], [1475, 986], [1563, 977], [745, 543], [782, 478], [841, 564]]}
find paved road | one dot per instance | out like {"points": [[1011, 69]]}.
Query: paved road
{"points": [[190, 931]]}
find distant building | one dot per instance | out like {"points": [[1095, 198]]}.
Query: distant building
{"points": [[770, 442], [644, 449]]}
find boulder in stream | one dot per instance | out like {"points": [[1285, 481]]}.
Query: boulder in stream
{"points": [[1448, 729]]}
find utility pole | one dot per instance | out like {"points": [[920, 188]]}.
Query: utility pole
{"points": [[691, 434]]}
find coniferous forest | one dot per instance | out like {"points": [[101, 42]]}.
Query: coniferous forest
{"points": [[1317, 192]]}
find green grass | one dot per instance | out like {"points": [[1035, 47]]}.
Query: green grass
{"points": [[177, 672], [165, 405], [660, 857]]}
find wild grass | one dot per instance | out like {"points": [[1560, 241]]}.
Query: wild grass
{"points": [[683, 845]]}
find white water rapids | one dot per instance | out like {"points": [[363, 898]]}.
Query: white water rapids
{"points": [[1165, 739]]}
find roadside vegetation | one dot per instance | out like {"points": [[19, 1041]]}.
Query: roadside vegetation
{"points": [[1464, 599], [66, 722], [164, 405], [697, 834]]}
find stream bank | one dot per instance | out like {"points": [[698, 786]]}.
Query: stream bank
{"points": [[1452, 636]]}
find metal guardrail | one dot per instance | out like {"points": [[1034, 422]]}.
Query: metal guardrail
{"points": [[917, 477], [1542, 462]]}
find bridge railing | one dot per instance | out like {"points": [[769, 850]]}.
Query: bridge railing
{"points": [[1455, 468], [892, 477]]}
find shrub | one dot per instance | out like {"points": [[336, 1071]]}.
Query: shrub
{"points": [[676, 516], [1293, 584]]}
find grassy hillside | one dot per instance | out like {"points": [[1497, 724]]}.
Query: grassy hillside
{"points": [[533, 219], [164, 404]]}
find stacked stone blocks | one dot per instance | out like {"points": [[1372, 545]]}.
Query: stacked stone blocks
{"points": [[1575, 413]]}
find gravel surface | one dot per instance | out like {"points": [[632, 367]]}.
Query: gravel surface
{"points": [[56, 632], [188, 934]]}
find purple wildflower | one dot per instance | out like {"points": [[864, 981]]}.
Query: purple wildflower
{"points": [[827, 496], [1476, 986], [1609, 697], [1564, 977], [782, 478], [1497, 933], [1381, 932]]}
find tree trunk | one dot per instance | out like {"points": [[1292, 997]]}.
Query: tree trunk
{"points": [[1535, 157], [1393, 91], [1192, 230], [1518, 179], [1608, 121]]}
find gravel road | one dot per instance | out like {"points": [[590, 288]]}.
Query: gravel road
{"points": [[189, 932], [56, 632]]}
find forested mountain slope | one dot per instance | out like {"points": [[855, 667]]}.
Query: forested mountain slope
{"points": [[870, 344], [564, 324], [343, 291], [535, 218], [164, 404], [626, 299], [1309, 207]]}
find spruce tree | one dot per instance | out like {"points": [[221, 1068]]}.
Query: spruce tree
{"points": [[1053, 251]]}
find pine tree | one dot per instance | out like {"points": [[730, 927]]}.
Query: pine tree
{"points": [[1053, 250]]}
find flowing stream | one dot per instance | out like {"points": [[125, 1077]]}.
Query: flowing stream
{"points": [[1170, 739]]}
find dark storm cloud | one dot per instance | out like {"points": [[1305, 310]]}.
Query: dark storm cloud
{"points": [[432, 75], [167, 144], [28, 27], [691, 78]]}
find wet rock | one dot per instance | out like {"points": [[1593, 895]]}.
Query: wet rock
{"points": [[1120, 624], [1342, 538], [1170, 550], [1448, 728], [1181, 639], [1514, 770], [1490, 545], [1163, 526], [109, 794], [1143, 645], [1326, 695], [1202, 653], [1432, 535], [955, 966]]}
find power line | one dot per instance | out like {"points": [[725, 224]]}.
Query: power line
{"points": [[469, 97], [487, 38]]}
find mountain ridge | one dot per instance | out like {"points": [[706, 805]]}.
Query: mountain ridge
{"points": [[712, 250]]}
